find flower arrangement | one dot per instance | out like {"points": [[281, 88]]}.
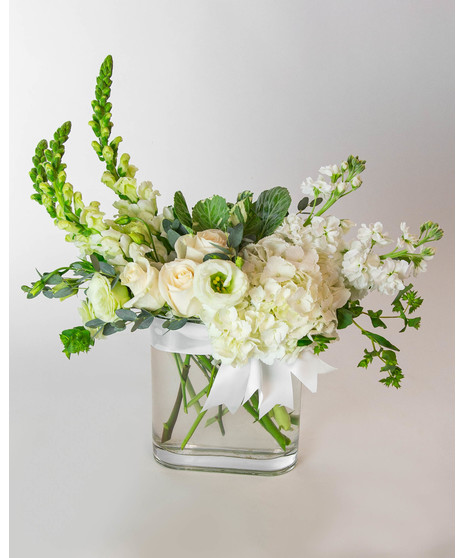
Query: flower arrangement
{"points": [[268, 284]]}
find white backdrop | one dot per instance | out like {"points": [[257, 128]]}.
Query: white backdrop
{"points": [[216, 97]]}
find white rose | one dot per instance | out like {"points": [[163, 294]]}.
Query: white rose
{"points": [[104, 299], [142, 279], [195, 247], [176, 284], [219, 283]]}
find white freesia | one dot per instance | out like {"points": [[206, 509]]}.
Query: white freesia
{"points": [[176, 284], [142, 279], [195, 246], [219, 284]]}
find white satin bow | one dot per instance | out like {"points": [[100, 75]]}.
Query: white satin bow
{"points": [[234, 386]]}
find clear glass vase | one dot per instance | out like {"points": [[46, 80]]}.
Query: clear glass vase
{"points": [[186, 437]]}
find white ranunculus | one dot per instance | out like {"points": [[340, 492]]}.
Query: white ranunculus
{"points": [[219, 283], [105, 300], [142, 279], [195, 246], [176, 284]]}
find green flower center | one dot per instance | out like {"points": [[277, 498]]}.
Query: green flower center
{"points": [[217, 283]]}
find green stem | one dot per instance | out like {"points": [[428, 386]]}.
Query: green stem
{"points": [[200, 415], [220, 419], [168, 426], [267, 423]]}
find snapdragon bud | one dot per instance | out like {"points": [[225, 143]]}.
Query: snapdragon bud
{"points": [[67, 192], [108, 153], [137, 238], [77, 197], [108, 179], [123, 220], [123, 164], [67, 226]]}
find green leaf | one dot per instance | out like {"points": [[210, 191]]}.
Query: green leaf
{"points": [[95, 262], [375, 318], [110, 329], [147, 322], [76, 340], [380, 340], [235, 235], [65, 292], [54, 279], [315, 202], [271, 207], [107, 269], [174, 324], [182, 211], [172, 237], [126, 314], [389, 357], [212, 213], [303, 204], [344, 318], [216, 256], [94, 323]]}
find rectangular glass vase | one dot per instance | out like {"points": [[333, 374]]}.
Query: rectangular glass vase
{"points": [[186, 437]]}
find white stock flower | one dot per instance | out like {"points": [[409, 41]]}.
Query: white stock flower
{"points": [[219, 284], [142, 280], [373, 233], [176, 284], [195, 246]]}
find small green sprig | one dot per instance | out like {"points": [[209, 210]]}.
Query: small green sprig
{"points": [[404, 304], [318, 343], [54, 284], [76, 340]]}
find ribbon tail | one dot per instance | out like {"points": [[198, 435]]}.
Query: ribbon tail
{"points": [[307, 367], [228, 388], [276, 388]]}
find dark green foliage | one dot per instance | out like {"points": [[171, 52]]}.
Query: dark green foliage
{"points": [[76, 340]]}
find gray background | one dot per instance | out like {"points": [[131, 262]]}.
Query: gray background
{"points": [[216, 97]]}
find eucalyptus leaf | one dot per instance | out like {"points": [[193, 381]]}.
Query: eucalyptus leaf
{"points": [[172, 237], [315, 202], [126, 314], [303, 204], [107, 269], [54, 279], [95, 323], [66, 291], [146, 323], [95, 262], [235, 235], [110, 329]]}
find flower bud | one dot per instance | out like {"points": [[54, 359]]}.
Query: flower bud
{"points": [[137, 238], [78, 205], [67, 192], [108, 153], [108, 179]]}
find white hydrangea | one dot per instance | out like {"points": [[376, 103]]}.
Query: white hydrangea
{"points": [[295, 289]]}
